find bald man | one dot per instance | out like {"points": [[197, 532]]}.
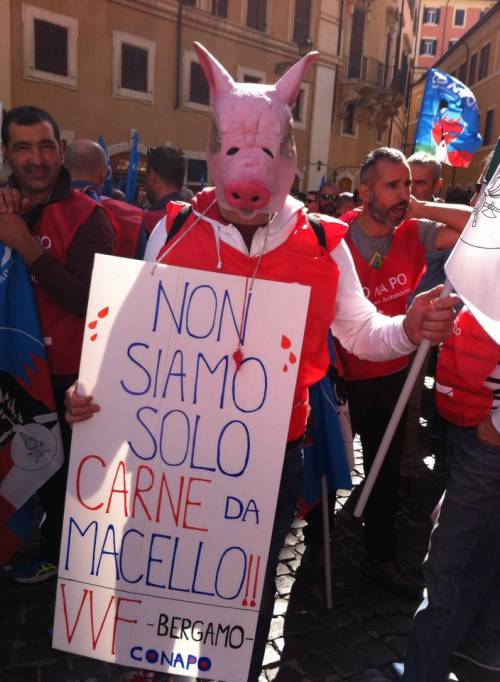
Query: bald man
{"points": [[87, 163]]}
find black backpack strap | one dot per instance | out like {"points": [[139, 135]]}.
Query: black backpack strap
{"points": [[179, 221], [319, 230]]}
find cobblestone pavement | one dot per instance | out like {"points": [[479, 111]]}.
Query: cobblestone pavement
{"points": [[367, 627]]}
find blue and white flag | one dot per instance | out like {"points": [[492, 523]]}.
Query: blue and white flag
{"points": [[30, 440], [107, 188], [474, 264], [133, 169], [448, 126]]}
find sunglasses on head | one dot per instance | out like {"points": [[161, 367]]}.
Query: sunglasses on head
{"points": [[329, 197]]}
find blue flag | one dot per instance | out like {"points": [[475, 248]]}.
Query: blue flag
{"points": [[30, 440], [108, 183], [324, 448], [133, 169], [448, 125]]}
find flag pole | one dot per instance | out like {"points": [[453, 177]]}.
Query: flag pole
{"points": [[396, 416], [326, 541]]}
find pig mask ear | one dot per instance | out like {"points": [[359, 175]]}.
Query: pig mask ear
{"points": [[219, 80], [288, 86]]}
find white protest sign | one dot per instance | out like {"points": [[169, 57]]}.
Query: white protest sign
{"points": [[172, 486]]}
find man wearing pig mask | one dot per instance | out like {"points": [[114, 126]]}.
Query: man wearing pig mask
{"points": [[249, 225]]}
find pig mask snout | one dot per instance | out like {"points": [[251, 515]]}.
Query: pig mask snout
{"points": [[246, 195]]}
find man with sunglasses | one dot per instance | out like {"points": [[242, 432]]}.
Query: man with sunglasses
{"points": [[312, 201], [165, 171], [328, 197]]}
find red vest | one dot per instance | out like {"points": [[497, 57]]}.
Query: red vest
{"points": [[62, 331], [299, 259], [127, 221], [387, 288], [466, 359], [151, 218]]}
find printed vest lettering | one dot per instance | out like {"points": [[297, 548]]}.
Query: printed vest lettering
{"points": [[387, 288]]}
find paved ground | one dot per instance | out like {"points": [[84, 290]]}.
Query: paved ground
{"points": [[367, 627]]}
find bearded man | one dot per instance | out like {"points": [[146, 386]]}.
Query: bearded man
{"points": [[388, 238]]}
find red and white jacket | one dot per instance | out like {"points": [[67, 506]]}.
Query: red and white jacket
{"points": [[387, 287], [299, 259], [467, 360]]}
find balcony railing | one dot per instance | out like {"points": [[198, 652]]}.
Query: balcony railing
{"points": [[375, 73]]}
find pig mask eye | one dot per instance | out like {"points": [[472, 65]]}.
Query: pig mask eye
{"points": [[232, 151], [268, 152]]}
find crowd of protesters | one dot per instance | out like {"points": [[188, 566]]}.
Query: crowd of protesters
{"points": [[397, 228]]}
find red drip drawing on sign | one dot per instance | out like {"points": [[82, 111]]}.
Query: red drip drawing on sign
{"points": [[245, 601], [238, 358], [292, 358], [92, 325], [256, 580]]}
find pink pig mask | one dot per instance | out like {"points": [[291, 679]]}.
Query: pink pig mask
{"points": [[252, 159]]}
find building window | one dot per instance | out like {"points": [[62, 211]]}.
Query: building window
{"points": [[198, 85], [301, 20], [459, 18], [49, 46], [431, 15], [196, 174], [245, 74], [348, 119], [428, 47], [356, 44], [219, 8], [462, 72], [488, 127], [133, 66], [473, 69], [484, 58], [299, 111], [451, 43], [257, 14]]}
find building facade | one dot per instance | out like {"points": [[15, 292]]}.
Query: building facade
{"points": [[475, 60], [110, 67], [441, 24], [370, 109]]}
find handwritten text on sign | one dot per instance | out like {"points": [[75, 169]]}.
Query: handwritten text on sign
{"points": [[172, 485]]}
